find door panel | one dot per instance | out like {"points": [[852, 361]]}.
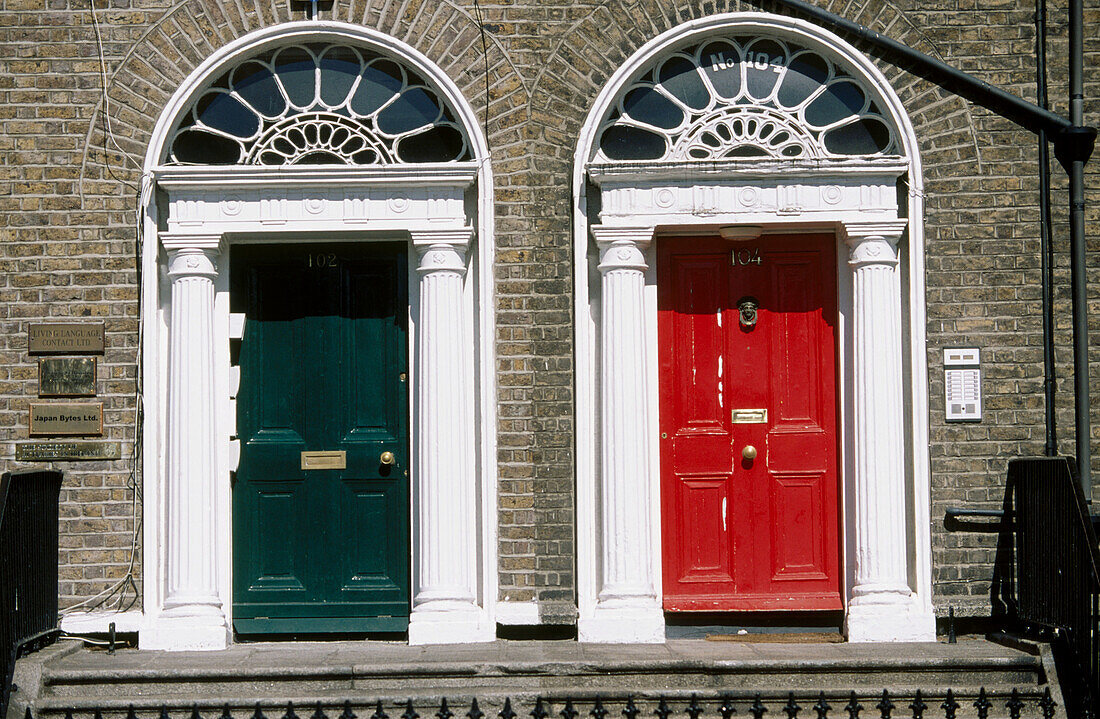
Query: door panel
{"points": [[749, 534], [702, 558], [323, 366]]}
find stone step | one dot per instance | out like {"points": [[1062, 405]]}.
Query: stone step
{"points": [[81, 682]]}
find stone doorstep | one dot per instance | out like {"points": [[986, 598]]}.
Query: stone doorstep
{"points": [[68, 676], [360, 664]]}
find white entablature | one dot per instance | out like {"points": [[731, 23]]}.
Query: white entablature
{"points": [[248, 199], [736, 191]]}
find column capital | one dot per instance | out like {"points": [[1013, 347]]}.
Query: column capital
{"points": [[640, 236], [622, 248], [873, 243], [890, 230], [192, 255], [458, 237], [442, 250], [192, 262], [214, 241]]}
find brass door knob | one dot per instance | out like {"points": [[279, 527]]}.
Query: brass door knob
{"points": [[387, 458], [749, 452]]}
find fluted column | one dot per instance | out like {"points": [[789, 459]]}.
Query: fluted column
{"points": [[192, 615], [627, 607], [445, 608], [881, 596]]}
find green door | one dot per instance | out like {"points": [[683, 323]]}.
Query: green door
{"points": [[320, 520]]}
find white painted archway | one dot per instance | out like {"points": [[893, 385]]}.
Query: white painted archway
{"points": [[192, 214], [885, 489]]}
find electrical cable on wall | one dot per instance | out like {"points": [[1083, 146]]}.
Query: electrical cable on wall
{"points": [[485, 58], [114, 597], [110, 133]]}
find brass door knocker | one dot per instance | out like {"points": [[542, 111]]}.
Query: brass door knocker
{"points": [[747, 308]]}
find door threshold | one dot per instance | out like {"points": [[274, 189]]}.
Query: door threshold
{"points": [[754, 626], [378, 637]]}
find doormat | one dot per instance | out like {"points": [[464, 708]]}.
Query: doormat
{"points": [[780, 638]]}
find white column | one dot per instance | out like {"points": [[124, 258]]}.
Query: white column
{"points": [[628, 608], [882, 606], [445, 606], [192, 615]]}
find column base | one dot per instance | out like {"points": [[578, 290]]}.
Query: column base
{"points": [[618, 624], [185, 634], [896, 622], [450, 623]]}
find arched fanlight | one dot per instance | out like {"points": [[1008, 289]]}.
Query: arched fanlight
{"points": [[317, 104], [742, 97]]}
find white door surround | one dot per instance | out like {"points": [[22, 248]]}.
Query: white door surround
{"points": [[192, 215], [886, 551]]}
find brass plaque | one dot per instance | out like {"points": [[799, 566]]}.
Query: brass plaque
{"points": [[325, 460], [66, 419], [749, 416], [75, 450], [66, 377], [76, 338]]}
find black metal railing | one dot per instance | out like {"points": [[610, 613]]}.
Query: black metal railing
{"points": [[820, 705], [28, 567], [1052, 587]]}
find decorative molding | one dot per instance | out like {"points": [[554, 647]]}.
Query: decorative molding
{"points": [[211, 242], [706, 195], [459, 194], [739, 197], [302, 200], [622, 248]]}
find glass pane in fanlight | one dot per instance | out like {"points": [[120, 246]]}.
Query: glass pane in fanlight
{"points": [[623, 142], [224, 112], [197, 147], [320, 157], [721, 62], [864, 137], [381, 81], [681, 78], [805, 76], [439, 144], [840, 100], [296, 71], [645, 104], [416, 107], [339, 68], [255, 83], [746, 151], [764, 61]]}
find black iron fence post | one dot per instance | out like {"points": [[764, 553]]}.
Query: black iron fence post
{"points": [[28, 567]]}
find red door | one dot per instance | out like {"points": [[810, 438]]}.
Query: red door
{"points": [[743, 532]]}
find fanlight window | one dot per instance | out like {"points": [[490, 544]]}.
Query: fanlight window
{"points": [[319, 104], [744, 97]]}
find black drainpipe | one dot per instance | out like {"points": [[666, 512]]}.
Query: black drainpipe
{"points": [[1073, 144], [1046, 245], [1073, 158]]}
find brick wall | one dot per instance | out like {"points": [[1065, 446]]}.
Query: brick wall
{"points": [[67, 229]]}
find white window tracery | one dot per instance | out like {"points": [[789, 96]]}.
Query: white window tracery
{"points": [[744, 96], [319, 104]]}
